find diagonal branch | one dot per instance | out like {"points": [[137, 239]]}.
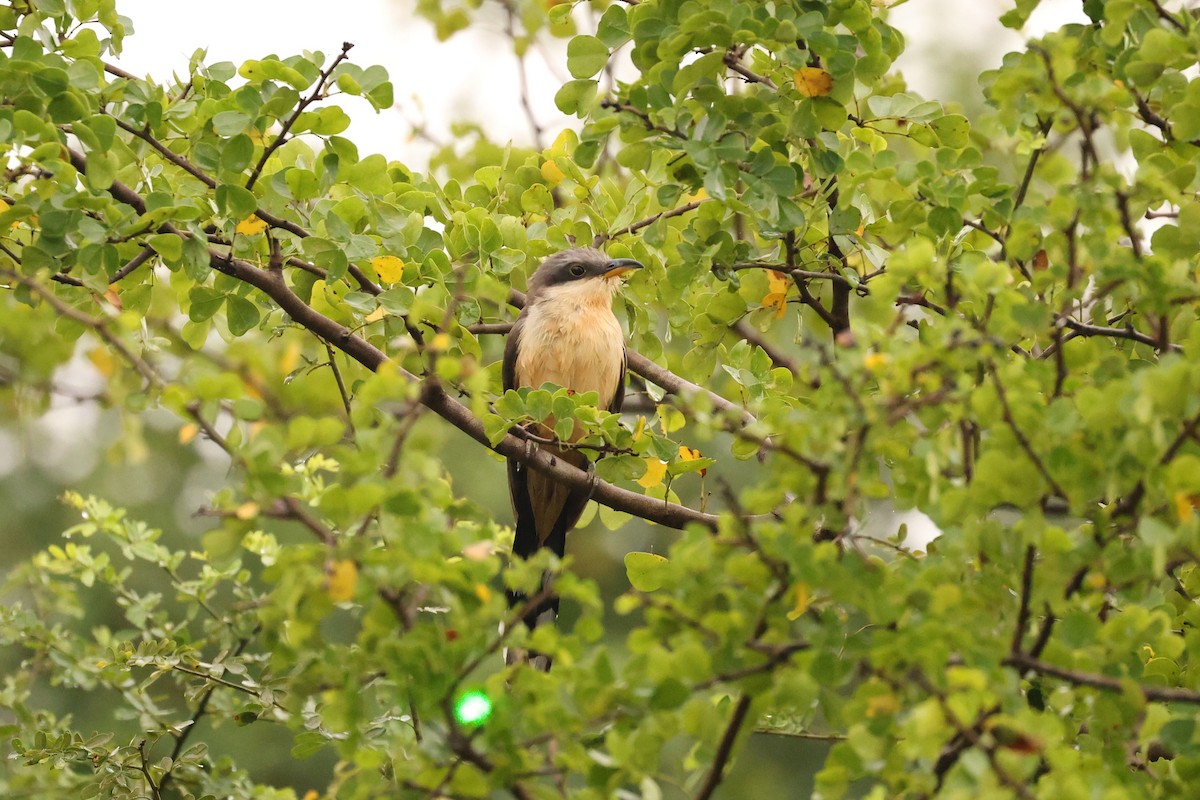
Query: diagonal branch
{"points": [[94, 323], [1022, 439], [1154, 694], [716, 772], [315, 95], [601, 238]]}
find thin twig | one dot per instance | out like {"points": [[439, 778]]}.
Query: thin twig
{"points": [[601, 238], [141, 258], [182, 735], [798, 274], [716, 772], [778, 358], [1155, 694], [733, 60], [341, 385], [315, 95], [1019, 435], [1026, 591], [145, 770], [510, 30], [94, 323], [643, 116]]}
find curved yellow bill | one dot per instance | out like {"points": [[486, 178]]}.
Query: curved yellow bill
{"points": [[619, 266]]}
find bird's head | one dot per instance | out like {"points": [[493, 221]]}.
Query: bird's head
{"points": [[583, 271]]}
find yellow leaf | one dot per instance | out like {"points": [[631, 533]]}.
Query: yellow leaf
{"points": [[388, 268], [639, 429], [812, 81], [690, 454], [1185, 506], [483, 592], [188, 432], [251, 225], [882, 704], [777, 301], [778, 281], [670, 418], [803, 601], [563, 144], [375, 315], [247, 510], [552, 173], [290, 358], [340, 579], [311, 794], [875, 361], [655, 472], [777, 289], [103, 361], [440, 342]]}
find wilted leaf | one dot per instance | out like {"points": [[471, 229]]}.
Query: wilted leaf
{"points": [[251, 225], [341, 578], [389, 268], [812, 81], [655, 472]]}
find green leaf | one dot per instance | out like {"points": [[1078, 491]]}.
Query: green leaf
{"points": [[952, 130], [167, 245], [575, 97], [586, 55], [204, 302], [240, 314], [646, 571], [235, 201], [230, 123], [100, 171]]}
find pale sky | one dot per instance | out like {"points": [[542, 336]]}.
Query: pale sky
{"points": [[473, 75]]}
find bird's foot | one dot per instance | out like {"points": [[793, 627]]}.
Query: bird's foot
{"points": [[592, 478]]}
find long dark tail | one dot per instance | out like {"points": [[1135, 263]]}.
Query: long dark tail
{"points": [[525, 544]]}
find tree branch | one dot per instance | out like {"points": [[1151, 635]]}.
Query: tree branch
{"points": [[201, 709], [155, 790], [94, 323], [1020, 436], [601, 238], [1154, 694], [778, 358], [716, 772], [1026, 591], [643, 116]]}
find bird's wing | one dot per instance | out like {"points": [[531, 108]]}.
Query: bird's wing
{"points": [[508, 368], [618, 398]]}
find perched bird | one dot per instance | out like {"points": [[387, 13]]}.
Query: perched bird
{"points": [[568, 336]]}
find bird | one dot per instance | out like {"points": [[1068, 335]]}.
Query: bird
{"points": [[567, 336]]}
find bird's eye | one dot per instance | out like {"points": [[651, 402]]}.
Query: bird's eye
{"points": [[577, 270]]}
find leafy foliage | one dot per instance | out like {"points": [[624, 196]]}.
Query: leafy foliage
{"points": [[854, 296]]}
